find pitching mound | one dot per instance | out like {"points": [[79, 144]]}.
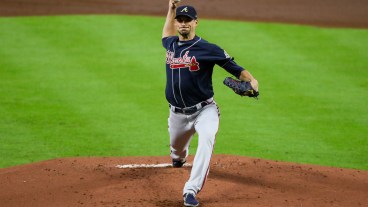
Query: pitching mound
{"points": [[233, 181]]}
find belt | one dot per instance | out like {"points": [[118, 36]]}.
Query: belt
{"points": [[192, 109]]}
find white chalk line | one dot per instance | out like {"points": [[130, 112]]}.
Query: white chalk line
{"points": [[163, 165]]}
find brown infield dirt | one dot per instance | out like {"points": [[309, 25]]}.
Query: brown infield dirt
{"points": [[233, 180]]}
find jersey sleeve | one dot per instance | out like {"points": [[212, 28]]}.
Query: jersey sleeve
{"points": [[224, 60], [233, 68], [167, 41]]}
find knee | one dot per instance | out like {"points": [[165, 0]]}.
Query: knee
{"points": [[207, 138]]}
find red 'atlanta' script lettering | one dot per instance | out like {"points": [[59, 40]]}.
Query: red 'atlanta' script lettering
{"points": [[182, 62]]}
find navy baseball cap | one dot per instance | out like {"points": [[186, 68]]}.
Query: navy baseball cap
{"points": [[188, 11]]}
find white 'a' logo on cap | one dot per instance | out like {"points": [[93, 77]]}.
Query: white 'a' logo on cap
{"points": [[184, 10]]}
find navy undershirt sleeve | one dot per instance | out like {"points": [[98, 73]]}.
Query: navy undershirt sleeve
{"points": [[233, 68], [225, 61]]}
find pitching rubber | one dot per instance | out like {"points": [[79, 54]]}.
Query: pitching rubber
{"points": [[163, 165]]}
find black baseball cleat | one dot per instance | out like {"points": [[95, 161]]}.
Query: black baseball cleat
{"points": [[190, 200], [178, 163]]}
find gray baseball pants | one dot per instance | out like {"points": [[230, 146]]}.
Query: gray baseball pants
{"points": [[182, 128]]}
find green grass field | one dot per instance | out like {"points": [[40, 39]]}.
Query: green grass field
{"points": [[94, 86]]}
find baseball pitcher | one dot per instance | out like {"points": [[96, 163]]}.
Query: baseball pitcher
{"points": [[189, 66]]}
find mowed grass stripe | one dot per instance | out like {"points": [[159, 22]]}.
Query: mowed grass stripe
{"points": [[71, 76], [327, 81], [305, 86], [53, 120], [103, 78]]}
